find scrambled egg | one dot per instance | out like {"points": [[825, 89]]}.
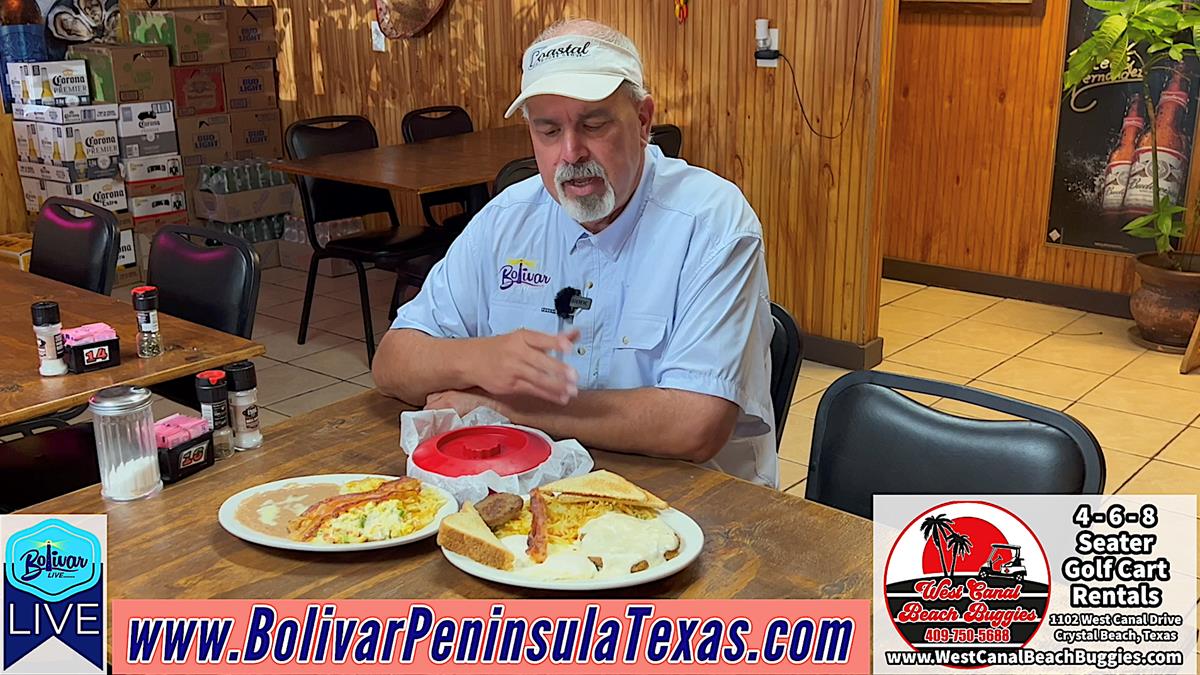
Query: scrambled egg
{"points": [[377, 521]]}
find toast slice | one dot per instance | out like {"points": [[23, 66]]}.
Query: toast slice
{"points": [[603, 485], [466, 534]]}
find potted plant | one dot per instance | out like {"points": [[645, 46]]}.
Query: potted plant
{"points": [[1134, 39]]}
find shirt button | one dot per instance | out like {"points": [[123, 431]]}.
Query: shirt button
{"points": [[625, 340], [581, 351], [589, 285]]}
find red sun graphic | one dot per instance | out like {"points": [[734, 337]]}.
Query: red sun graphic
{"points": [[982, 535]]}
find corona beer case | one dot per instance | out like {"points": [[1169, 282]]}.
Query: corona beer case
{"points": [[88, 151], [147, 129], [107, 193], [152, 175], [26, 137], [32, 112], [153, 211], [61, 83]]}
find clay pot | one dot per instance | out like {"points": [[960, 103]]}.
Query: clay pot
{"points": [[1166, 305]]}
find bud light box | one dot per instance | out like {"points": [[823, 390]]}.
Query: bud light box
{"points": [[256, 134], [250, 85], [88, 151], [147, 129], [251, 32], [205, 139], [61, 83], [157, 174]]}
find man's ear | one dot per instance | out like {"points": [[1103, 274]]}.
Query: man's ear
{"points": [[645, 113]]}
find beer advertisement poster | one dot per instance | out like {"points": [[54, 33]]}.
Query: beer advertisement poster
{"points": [[42, 30], [1103, 174]]}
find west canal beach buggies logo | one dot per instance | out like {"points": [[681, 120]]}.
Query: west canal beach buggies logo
{"points": [[967, 576], [53, 594]]}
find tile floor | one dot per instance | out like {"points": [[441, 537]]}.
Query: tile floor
{"points": [[1146, 415]]}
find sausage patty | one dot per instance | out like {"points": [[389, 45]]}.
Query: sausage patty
{"points": [[497, 509]]}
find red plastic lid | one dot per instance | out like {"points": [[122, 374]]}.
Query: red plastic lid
{"points": [[473, 450]]}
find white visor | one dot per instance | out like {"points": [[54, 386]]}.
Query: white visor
{"points": [[576, 66]]}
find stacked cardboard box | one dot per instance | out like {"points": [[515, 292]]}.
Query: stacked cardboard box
{"points": [[223, 76], [152, 165]]}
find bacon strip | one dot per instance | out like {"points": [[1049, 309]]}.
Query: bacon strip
{"points": [[305, 526], [538, 536]]}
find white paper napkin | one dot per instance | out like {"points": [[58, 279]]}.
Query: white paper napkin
{"points": [[567, 457]]}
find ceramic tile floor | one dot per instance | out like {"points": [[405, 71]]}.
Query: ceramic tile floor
{"points": [[1146, 415]]}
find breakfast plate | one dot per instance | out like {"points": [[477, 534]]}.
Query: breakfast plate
{"points": [[582, 533], [366, 512], [691, 543]]}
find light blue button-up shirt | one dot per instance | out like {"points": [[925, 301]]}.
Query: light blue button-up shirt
{"points": [[678, 284]]}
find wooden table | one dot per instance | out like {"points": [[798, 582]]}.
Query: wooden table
{"points": [[24, 394], [427, 166], [759, 543]]}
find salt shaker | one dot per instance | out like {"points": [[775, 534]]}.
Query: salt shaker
{"points": [[47, 326], [145, 303], [243, 405], [212, 392], [125, 446]]}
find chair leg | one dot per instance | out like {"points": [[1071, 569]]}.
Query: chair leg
{"points": [[397, 292], [364, 298], [309, 289]]}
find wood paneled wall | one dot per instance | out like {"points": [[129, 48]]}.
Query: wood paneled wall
{"points": [[816, 198], [974, 122]]}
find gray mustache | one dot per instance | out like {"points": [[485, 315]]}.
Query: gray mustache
{"points": [[568, 172]]}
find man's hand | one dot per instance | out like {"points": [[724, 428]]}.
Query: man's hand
{"points": [[464, 402], [520, 363]]}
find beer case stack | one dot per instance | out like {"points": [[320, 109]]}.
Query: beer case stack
{"points": [[223, 80]]}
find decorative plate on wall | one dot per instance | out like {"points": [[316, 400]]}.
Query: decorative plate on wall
{"points": [[405, 18]]}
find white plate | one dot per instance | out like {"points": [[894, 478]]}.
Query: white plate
{"points": [[228, 516], [690, 534]]}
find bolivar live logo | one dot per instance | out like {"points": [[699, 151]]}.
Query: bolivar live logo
{"points": [[53, 594], [967, 576]]}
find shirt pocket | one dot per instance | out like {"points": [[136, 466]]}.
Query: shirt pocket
{"points": [[508, 317], [639, 347]]}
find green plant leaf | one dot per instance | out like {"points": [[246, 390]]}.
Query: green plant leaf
{"points": [[1143, 233], [1118, 58], [1107, 6], [1139, 222]]}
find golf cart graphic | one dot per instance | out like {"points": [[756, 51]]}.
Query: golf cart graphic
{"points": [[995, 567]]}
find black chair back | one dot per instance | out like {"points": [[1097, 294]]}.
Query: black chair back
{"points": [[514, 172], [81, 251], [870, 439], [668, 137], [787, 351], [323, 199], [434, 122], [214, 286]]}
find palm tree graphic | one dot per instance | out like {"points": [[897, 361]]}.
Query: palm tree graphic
{"points": [[960, 546], [938, 528]]}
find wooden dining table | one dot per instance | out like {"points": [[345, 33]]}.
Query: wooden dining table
{"points": [[759, 542], [24, 394], [422, 167]]}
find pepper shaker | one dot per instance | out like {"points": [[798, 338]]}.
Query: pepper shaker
{"points": [[47, 326]]}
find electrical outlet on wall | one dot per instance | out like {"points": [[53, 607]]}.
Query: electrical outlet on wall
{"points": [[378, 41], [771, 63]]}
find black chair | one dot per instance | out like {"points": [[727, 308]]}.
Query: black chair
{"points": [[325, 200], [206, 277], [870, 439], [77, 250], [787, 351], [514, 172], [435, 122], [47, 465], [668, 137]]}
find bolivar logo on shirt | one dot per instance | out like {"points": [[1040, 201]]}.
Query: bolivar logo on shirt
{"points": [[521, 271]]}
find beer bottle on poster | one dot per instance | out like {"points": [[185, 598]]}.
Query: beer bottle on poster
{"points": [[1120, 161], [1172, 149]]}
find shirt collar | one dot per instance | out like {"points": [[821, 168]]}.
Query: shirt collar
{"points": [[612, 239]]}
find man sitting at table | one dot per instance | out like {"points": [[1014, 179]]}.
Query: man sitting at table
{"points": [[672, 357]]}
